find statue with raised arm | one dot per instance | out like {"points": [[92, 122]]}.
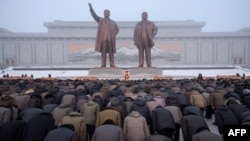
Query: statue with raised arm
{"points": [[106, 36], [144, 33]]}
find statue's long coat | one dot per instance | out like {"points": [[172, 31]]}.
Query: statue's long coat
{"points": [[113, 30]]}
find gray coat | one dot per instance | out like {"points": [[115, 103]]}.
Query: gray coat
{"points": [[158, 137], [108, 132], [61, 134], [206, 135]]}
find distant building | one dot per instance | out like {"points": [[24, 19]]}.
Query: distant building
{"points": [[72, 43]]}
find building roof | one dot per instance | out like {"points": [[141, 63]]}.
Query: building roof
{"points": [[3, 30]]}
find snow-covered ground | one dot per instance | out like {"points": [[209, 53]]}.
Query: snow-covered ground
{"points": [[45, 73], [179, 72], [207, 72]]}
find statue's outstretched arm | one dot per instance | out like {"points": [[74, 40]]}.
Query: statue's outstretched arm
{"points": [[94, 15]]}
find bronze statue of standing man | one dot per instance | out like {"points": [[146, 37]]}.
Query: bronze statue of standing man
{"points": [[144, 32], [106, 34]]}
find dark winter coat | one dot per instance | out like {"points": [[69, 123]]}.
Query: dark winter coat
{"points": [[224, 116], [158, 137], [206, 135], [12, 130], [61, 133], [38, 127], [28, 113], [237, 109], [182, 99], [108, 132], [190, 124], [162, 118]]}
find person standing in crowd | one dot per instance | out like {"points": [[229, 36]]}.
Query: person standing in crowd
{"points": [[106, 33], [144, 32]]}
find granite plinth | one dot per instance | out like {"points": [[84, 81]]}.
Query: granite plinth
{"points": [[106, 72], [145, 70], [117, 73]]}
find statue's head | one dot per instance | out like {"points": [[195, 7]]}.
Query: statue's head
{"points": [[106, 13], [144, 15]]}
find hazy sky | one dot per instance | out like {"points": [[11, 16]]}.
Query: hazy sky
{"points": [[219, 15]]}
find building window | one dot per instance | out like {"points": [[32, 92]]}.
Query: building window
{"points": [[235, 61], [240, 60], [12, 62], [7, 62]]}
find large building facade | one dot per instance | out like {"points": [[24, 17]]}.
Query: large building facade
{"points": [[72, 43]]}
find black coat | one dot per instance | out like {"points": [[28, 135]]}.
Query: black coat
{"points": [[61, 134], [237, 109], [224, 116], [190, 124], [182, 99], [162, 118], [38, 127], [158, 137], [12, 130]]}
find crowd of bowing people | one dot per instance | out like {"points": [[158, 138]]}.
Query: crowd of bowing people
{"points": [[117, 110]]}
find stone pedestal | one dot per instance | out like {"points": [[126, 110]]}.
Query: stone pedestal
{"points": [[117, 73], [106, 73], [144, 72]]}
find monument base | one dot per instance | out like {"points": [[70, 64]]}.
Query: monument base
{"points": [[117, 73], [144, 72], [106, 72]]}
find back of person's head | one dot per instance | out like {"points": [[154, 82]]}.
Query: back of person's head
{"points": [[7, 101], [231, 100], [128, 99], [114, 101], [192, 110], [49, 99], [35, 101], [109, 121]]}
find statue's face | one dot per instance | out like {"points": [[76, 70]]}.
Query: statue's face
{"points": [[144, 16], [106, 13]]}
